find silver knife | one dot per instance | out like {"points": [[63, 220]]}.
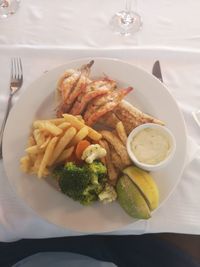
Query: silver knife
{"points": [[156, 71]]}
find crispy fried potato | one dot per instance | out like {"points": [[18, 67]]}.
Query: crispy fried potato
{"points": [[75, 122], [112, 173], [44, 145], [65, 155], [25, 164], [36, 163], [62, 143], [121, 132], [82, 133], [80, 118], [56, 121], [50, 140], [94, 135], [47, 156], [116, 160], [48, 126], [118, 146], [39, 138], [32, 149], [64, 125]]}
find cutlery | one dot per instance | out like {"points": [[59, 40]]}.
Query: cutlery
{"points": [[156, 70], [16, 80]]}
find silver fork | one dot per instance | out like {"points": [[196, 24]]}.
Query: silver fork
{"points": [[16, 80]]}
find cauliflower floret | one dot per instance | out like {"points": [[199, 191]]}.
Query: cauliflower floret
{"points": [[93, 152], [108, 194]]}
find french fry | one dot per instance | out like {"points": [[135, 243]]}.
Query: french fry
{"points": [[80, 118], [37, 163], [64, 125], [82, 133], [75, 122], [94, 135], [25, 164], [121, 132], [65, 155], [39, 139], [56, 121], [50, 140], [62, 143], [32, 149], [112, 172], [47, 155], [48, 126], [44, 145], [118, 146]]}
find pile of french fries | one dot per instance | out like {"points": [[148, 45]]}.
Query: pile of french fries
{"points": [[117, 157], [53, 141]]}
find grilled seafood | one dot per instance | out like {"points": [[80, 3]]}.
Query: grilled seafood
{"points": [[133, 117], [68, 82], [103, 104], [93, 90], [71, 85]]}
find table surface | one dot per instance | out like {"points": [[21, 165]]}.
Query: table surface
{"points": [[46, 34]]}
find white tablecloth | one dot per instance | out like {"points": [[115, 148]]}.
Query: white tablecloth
{"points": [[46, 34]]}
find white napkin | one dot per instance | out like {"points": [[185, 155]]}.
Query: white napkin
{"points": [[181, 212]]}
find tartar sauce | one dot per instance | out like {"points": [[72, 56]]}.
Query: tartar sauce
{"points": [[150, 146]]}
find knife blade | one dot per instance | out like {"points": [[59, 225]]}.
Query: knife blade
{"points": [[156, 70]]}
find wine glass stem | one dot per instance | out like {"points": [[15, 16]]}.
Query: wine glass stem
{"points": [[128, 5]]}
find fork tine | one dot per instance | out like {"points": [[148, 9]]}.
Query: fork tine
{"points": [[14, 74], [16, 68], [20, 67], [12, 67], [16, 80]]}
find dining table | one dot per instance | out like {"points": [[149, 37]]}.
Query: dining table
{"points": [[46, 34]]}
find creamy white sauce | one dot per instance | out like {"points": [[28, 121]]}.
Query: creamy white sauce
{"points": [[150, 146]]}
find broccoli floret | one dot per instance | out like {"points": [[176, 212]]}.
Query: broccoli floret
{"points": [[90, 194], [97, 167], [82, 184], [98, 172], [108, 194], [57, 172], [73, 181]]}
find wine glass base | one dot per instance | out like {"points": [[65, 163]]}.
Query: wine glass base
{"points": [[126, 23], [9, 9]]}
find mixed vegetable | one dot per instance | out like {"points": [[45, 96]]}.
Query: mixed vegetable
{"points": [[86, 183]]}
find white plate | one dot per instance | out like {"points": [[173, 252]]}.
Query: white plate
{"points": [[37, 102]]}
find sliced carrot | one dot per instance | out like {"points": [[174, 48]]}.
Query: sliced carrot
{"points": [[81, 146]]}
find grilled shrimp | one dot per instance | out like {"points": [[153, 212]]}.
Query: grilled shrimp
{"points": [[65, 75], [75, 84], [103, 104], [82, 82], [93, 90], [68, 84]]}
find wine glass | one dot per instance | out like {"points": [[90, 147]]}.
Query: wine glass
{"points": [[126, 22], [8, 7]]}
